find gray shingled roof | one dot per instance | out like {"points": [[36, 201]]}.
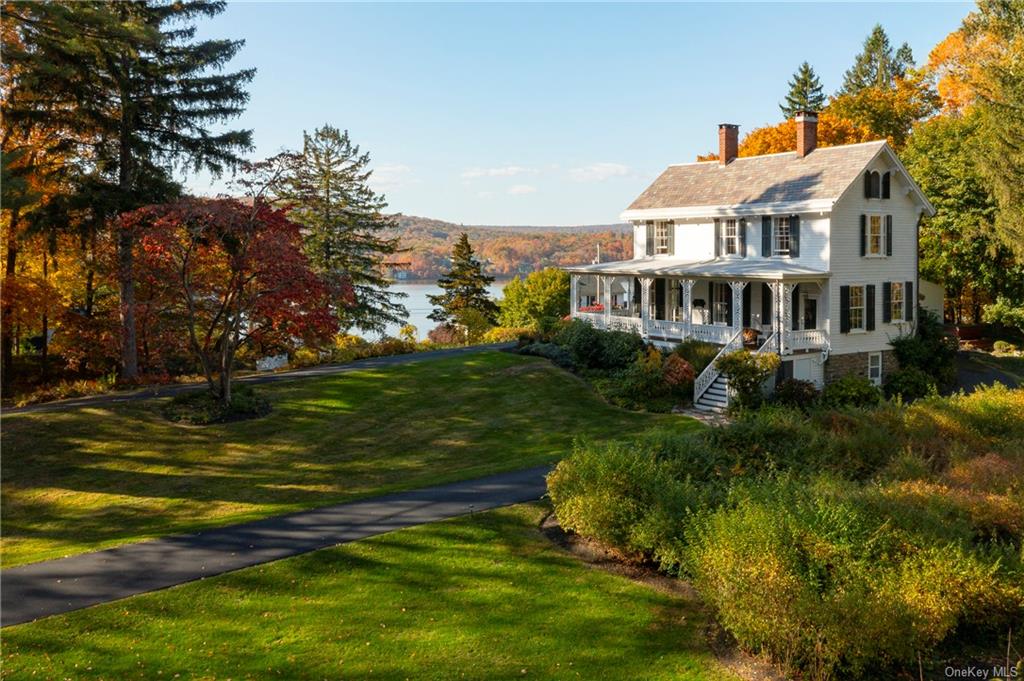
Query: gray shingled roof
{"points": [[823, 174]]}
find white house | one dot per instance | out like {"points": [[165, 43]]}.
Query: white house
{"points": [[811, 254]]}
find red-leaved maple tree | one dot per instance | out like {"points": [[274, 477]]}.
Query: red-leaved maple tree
{"points": [[231, 274]]}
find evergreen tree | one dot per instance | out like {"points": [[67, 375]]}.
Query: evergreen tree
{"points": [[133, 94], [464, 287], [805, 93], [346, 230], [877, 65], [999, 81]]}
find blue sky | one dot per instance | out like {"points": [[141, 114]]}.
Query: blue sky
{"points": [[537, 114]]}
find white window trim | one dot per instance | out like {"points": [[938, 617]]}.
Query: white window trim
{"points": [[873, 355], [893, 317], [881, 236], [658, 243], [735, 238], [863, 307], [776, 222]]}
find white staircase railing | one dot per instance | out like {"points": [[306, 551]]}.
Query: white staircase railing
{"points": [[711, 372], [770, 344]]}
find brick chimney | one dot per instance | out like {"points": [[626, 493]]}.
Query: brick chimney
{"points": [[806, 132], [728, 142]]}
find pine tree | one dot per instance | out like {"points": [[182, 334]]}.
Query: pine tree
{"points": [[876, 65], [464, 287], [346, 237], [133, 94], [805, 93]]}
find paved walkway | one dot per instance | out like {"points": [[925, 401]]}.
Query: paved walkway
{"points": [[37, 590], [259, 379]]}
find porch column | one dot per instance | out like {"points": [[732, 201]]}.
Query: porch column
{"points": [[606, 301], [645, 303], [687, 304], [785, 319], [777, 298], [737, 304], [574, 296]]}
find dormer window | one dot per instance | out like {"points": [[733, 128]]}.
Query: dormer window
{"points": [[877, 185], [782, 237], [731, 237]]}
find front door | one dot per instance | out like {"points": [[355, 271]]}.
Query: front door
{"points": [[810, 313]]}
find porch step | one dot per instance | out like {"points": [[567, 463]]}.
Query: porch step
{"points": [[716, 397]]}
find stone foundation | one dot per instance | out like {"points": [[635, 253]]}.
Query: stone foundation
{"points": [[856, 363]]}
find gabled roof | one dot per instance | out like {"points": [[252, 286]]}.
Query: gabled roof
{"points": [[779, 181]]}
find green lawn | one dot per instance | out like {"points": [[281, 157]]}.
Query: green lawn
{"points": [[90, 477], [479, 597]]}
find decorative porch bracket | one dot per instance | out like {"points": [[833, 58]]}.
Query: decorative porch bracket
{"points": [[686, 287], [645, 303], [606, 300], [574, 296], [785, 317], [737, 303]]}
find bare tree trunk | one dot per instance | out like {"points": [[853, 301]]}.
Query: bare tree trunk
{"points": [[125, 251], [7, 340], [44, 364]]}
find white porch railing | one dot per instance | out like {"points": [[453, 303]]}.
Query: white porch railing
{"points": [[666, 329], [712, 333], [806, 339], [627, 324], [711, 372]]}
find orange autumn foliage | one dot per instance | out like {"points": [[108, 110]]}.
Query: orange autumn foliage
{"points": [[957, 63], [774, 139]]}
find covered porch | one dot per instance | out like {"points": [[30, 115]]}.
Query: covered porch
{"points": [[724, 301]]}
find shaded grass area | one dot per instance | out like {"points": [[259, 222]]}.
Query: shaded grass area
{"points": [[91, 477], [478, 597]]}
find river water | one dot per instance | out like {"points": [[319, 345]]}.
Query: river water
{"points": [[419, 307]]}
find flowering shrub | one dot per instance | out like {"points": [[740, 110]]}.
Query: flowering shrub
{"points": [[747, 372], [678, 372], [68, 389]]}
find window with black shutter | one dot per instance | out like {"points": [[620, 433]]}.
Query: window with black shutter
{"points": [[766, 236], [867, 184], [886, 301], [886, 185], [869, 306], [650, 238], [743, 237], [794, 236], [844, 309], [888, 235], [863, 235], [718, 237]]}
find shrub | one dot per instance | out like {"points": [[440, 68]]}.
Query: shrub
{"points": [[1004, 348], [909, 383], [698, 353], [853, 391], [506, 334], [679, 373], [929, 349], [619, 348], [445, 334], [1005, 313], [624, 497], [66, 390], [556, 353], [201, 407], [747, 373], [583, 342], [641, 385], [792, 392], [472, 324], [305, 357]]}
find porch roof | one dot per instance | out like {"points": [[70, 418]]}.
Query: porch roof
{"points": [[724, 267]]}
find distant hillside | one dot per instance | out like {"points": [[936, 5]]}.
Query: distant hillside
{"points": [[506, 250]]}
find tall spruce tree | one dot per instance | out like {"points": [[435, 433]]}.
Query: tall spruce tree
{"points": [[805, 92], [134, 94], [463, 288], [877, 65], [346, 235]]}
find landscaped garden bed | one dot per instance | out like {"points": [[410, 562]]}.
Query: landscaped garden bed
{"points": [[843, 542]]}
